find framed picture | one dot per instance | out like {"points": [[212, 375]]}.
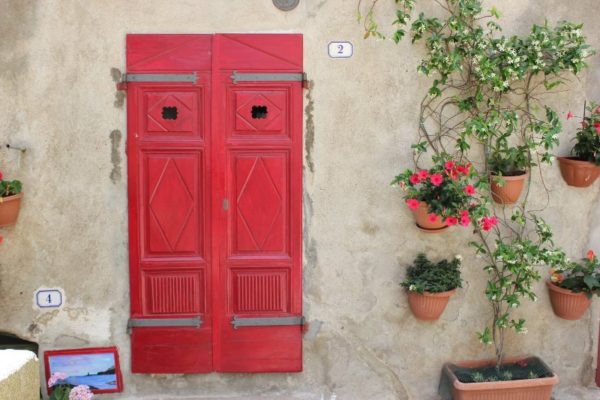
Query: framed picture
{"points": [[96, 367]]}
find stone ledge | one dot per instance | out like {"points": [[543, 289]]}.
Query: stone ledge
{"points": [[19, 375]]}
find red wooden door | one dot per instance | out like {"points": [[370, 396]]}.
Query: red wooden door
{"points": [[215, 202]]}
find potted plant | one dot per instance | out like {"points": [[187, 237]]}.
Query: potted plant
{"points": [[582, 168], [508, 171], [485, 103], [10, 201], [571, 287], [430, 285], [443, 196], [61, 389]]}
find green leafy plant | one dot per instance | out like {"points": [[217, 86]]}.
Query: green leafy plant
{"points": [[486, 106], [587, 146], [583, 277], [449, 189], [9, 188], [433, 277]]}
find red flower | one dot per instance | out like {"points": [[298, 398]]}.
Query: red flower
{"points": [[414, 179], [449, 165], [1, 176], [570, 115], [462, 170], [432, 217], [423, 174], [453, 174], [465, 220], [436, 179], [451, 221], [488, 223], [470, 190], [413, 204], [591, 255], [597, 127]]}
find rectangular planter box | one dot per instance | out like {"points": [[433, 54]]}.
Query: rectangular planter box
{"points": [[524, 389]]}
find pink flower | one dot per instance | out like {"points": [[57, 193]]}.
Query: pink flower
{"points": [[449, 165], [432, 217], [470, 190], [465, 220], [487, 223], [414, 179], [56, 377], [570, 115], [436, 179], [597, 110], [451, 221], [423, 174], [1, 175], [413, 204], [597, 127], [81, 392]]}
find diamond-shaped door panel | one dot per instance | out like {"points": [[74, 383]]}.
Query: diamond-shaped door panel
{"points": [[261, 225], [172, 113], [173, 211], [260, 112]]}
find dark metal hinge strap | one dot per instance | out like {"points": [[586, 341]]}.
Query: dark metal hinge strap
{"points": [[193, 78], [195, 322], [238, 322], [268, 77]]}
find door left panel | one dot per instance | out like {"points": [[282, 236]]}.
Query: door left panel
{"points": [[169, 240]]}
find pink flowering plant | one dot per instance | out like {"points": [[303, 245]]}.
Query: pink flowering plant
{"points": [[449, 189], [587, 139], [61, 390]]}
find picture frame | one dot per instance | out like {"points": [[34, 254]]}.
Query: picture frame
{"points": [[96, 367]]}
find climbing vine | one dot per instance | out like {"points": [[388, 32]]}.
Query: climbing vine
{"points": [[487, 105]]}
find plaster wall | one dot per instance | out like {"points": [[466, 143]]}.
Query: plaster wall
{"points": [[58, 62]]}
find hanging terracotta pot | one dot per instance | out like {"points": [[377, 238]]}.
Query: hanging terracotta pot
{"points": [[9, 209], [429, 306], [422, 218], [567, 304], [578, 173], [510, 191]]}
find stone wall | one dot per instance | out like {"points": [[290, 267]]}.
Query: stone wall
{"points": [[58, 61]]}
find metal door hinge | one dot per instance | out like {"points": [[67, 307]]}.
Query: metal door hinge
{"points": [[270, 77], [157, 78], [266, 321], [195, 322]]}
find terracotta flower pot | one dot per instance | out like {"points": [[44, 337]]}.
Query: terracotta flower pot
{"points": [[9, 209], [510, 192], [567, 304], [578, 173], [429, 306], [523, 389], [422, 218]]}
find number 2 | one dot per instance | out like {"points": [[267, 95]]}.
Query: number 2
{"points": [[340, 49]]}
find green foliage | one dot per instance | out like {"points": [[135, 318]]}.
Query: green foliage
{"points": [[485, 99], [583, 277], [587, 146], [9, 188], [60, 392], [427, 276]]}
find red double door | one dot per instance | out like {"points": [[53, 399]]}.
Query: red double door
{"points": [[215, 202]]}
